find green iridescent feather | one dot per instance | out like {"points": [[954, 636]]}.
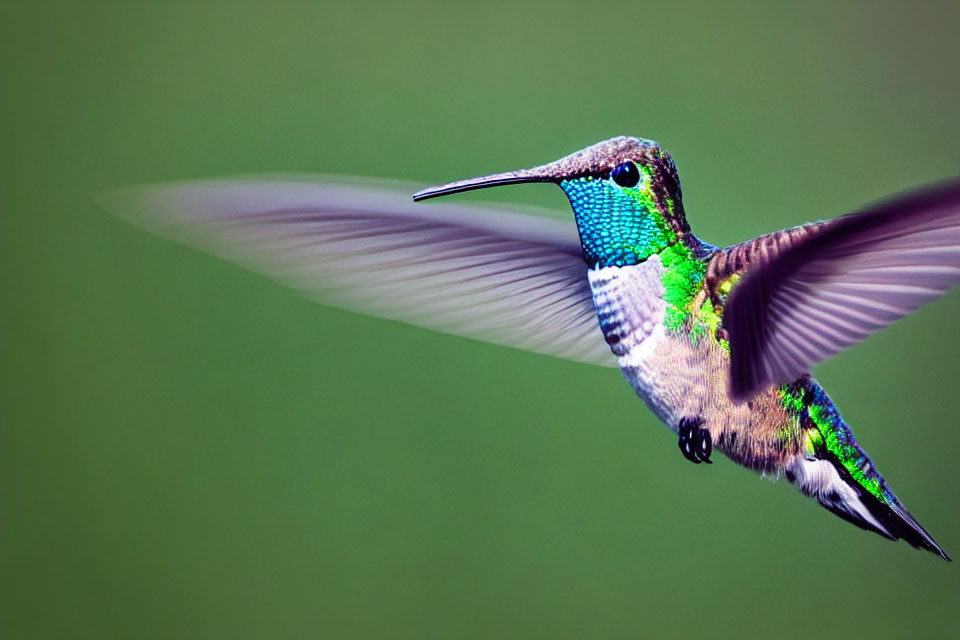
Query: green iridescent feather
{"points": [[807, 400]]}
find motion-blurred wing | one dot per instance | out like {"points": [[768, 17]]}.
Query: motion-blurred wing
{"points": [[839, 282], [512, 279]]}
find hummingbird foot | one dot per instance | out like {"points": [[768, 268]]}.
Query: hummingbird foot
{"points": [[695, 442]]}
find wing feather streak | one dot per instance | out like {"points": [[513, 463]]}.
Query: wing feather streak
{"points": [[832, 284], [509, 278]]}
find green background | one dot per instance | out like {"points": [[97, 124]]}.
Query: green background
{"points": [[188, 450]]}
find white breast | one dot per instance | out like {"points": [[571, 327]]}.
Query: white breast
{"points": [[630, 307]]}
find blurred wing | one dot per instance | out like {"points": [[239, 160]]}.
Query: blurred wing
{"points": [[816, 291], [512, 279]]}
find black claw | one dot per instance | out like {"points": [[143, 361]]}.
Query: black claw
{"points": [[705, 446], [686, 448], [695, 443]]}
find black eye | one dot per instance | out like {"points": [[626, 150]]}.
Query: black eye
{"points": [[626, 174]]}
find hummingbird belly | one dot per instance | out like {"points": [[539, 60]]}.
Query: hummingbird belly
{"points": [[680, 376]]}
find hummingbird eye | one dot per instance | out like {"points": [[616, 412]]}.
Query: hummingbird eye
{"points": [[626, 174]]}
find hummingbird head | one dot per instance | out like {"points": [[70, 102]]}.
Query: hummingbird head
{"points": [[625, 195]]}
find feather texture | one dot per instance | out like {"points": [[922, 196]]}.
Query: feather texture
{"points": [[513, 279], [825, 287]]}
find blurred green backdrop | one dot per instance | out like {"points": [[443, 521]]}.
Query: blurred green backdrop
{"points": [[188, 450]]}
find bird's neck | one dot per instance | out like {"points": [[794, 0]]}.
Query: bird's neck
{"points": [[624, 227], [681, 267]]}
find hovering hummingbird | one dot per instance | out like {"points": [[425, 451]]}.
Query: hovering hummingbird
{"points": [[718, 342]]}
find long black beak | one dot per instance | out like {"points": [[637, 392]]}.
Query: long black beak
{"points": [[538, 174], [592, 159]]}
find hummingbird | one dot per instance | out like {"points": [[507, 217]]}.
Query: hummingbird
{"points": [[718, 342]]}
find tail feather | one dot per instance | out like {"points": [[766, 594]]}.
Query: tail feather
{"points": [[835, 489], [894, 518]]}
